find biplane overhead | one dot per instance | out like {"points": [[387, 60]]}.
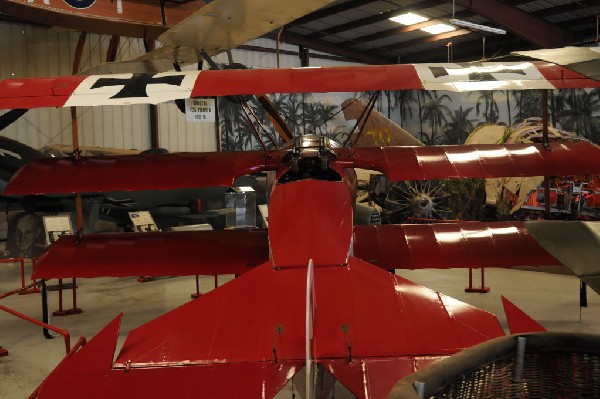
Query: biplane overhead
{"points": [[295, 305]]}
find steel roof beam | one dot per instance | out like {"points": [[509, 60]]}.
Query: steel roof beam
{"points": [[329, 11], [527, 26], [332, 48], [373, 19], [427, 39]]}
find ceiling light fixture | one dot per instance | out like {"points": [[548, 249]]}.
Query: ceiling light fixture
{"points": [[438, 28], [409, 18], [471, 25]]}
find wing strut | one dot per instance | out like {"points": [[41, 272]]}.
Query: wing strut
{"points": [[310, 314]]}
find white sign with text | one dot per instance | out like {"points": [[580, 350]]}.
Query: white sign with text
{"points": [[200, 110]]}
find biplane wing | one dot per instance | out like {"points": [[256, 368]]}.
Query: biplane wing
{"points": [[186, 27], [581, 255], [135, 172], [411, 163], [178, 253], [583, 60], [126, 89], [217, 27], [168, 171], [450, 245]]}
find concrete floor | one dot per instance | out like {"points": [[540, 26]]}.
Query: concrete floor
{"points": [[551, 299]]}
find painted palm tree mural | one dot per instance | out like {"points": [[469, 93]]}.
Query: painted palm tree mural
{"points": [[528, 104], [459, 126], [301, 113], [435, 113], [486, 105], [435, 117], [580, 113], [404, 102]]}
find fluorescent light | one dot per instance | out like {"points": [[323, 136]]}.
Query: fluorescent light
{"points": [[409, 18], [438, 28], [483, 28]]}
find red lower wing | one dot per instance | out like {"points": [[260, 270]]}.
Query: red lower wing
{"points": [[450, 245], [181, 253]]}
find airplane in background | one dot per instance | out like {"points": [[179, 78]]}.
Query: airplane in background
{"points": [[147, 19], [294, 308], [217, 26]]}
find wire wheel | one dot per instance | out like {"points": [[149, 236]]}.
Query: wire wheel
{"points": [[421, 199]]}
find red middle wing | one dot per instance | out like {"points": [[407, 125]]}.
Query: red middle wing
{"points": [[134, 172], [169, 171], [482, 160]]}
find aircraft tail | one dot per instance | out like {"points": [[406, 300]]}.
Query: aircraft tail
{"points": [[378, 131]]}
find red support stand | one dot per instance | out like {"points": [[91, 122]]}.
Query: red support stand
{"points": [[482, 289], [3, 352], [60, 311], [197, 294], [32, 290], [74, 309]]}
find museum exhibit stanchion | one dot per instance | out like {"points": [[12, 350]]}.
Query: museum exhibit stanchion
{"points": [[481, 289]]}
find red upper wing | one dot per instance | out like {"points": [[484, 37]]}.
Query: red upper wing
{"points": [[126, 89]]}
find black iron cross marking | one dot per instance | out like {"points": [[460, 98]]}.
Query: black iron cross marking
{"points": [[474, 76], [136, 85]]}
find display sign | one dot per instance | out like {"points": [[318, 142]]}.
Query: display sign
{"points": [[142, 221], [56, 226], [200, 110]]}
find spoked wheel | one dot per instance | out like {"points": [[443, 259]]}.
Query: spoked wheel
{"points": [[425, 199]]}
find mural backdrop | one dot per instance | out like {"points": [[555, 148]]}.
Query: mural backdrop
{"points": [[434, 117]]}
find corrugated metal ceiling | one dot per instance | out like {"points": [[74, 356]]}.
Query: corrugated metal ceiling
{"points": [[360, 30]]}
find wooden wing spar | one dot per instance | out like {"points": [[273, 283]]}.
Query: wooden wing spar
{"points": [[129, 88]]}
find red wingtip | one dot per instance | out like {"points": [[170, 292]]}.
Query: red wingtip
{"points": [[519, 321], [96, 357]]}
